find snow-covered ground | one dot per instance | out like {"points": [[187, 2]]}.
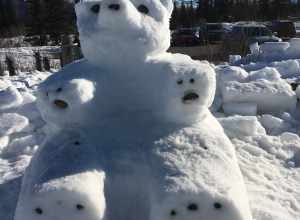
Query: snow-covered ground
{"points": [[255, 103], [267, 144], [21, 132]]}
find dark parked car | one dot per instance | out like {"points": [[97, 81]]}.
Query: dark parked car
{"points": [[243, 35], [216, 32], [284, 29], [187, 37]]}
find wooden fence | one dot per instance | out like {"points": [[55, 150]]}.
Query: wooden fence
{"points": [[15, 60]]}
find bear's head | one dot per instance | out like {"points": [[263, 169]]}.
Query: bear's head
{"points": [[116, 31], [190, 92]]}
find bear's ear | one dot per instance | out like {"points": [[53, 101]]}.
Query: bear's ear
{"points": [[169, 4]]}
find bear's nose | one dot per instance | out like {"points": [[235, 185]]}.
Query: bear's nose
{"points": [[115, 7]]}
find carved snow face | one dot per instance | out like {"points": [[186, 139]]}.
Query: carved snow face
{"points": [[191, 92], [116, 30], [65, 103], [195, 207]]}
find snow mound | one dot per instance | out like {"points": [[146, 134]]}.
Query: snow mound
{"points": [[239, 126], [267, 73], [267, 165], [9, 98], [274, 125], [231, 73], [273, 50], [286, 68], [11, 123]]}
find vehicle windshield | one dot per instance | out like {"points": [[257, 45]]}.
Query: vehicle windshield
{"points": [[185, 32], [214, 27], [252, 31]]}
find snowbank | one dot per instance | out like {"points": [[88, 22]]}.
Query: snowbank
{"points": [[270, 96], [239, 126]]}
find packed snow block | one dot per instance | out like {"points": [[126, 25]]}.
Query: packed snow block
{"points": [[231, 73], [267, 73], [98, 27], [67, 100], [232, 108], [239, 126], [12, 123], [293, 52], [198, 176], [226, 74], [63, 181], [270, 96], [287, 67], [273, 50], [9, 98]]}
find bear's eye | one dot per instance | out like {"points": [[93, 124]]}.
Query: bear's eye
{"points": [[180, 82], [192, 80], [95, 8], [217, 205], [143, 9]]}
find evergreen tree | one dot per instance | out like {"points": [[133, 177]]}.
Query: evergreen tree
{"points": [[183, 15], [280, 8], [264, 8], [191, 14], [58, 18], [10, 11], [35, 22], [8, 19], [175, 17]]}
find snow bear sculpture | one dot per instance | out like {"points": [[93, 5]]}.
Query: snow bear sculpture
{"points": [[159, 152]]}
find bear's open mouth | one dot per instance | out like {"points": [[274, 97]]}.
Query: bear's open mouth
{"points": [[190, 97], [60, 104]]}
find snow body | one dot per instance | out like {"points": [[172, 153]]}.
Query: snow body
{"points": [[63, 181], [197, 175]]}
